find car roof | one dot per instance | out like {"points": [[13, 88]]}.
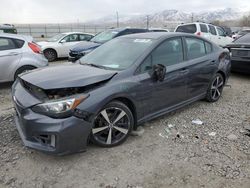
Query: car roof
{"points": [[68, 33], [126, 28], [156, 35], [16, 36]]}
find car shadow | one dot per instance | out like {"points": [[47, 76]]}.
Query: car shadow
{"points": [[6, 85]]}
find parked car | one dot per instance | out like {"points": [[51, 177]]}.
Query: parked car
{"points": [[18, 54], [120, 85], [83, 48], [59, 45], [240, 54], [209, 31], [158, 30], [241, 33], [8, 28]]}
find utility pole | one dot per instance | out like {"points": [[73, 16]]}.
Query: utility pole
{"points": [[147, 21], [117, 19], [192, 17]]}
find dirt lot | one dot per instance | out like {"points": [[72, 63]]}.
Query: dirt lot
{"points": [[172, 152]]}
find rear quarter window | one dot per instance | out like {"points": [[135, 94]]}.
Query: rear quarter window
{"points": [[191, 28], [19, 43], [208, 47]]}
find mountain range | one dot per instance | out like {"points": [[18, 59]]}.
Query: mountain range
{"points": [[167, 17]]}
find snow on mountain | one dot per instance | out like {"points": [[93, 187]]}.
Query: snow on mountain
{"points": [[167, 16]]}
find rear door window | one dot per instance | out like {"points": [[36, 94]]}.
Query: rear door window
{"points": [[7, 44], [212, 30], [204, 28], [190, 28], [195, 48]]}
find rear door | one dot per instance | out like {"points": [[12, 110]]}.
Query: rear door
{"points": [[10, 55], [214, 36], [205, 31], [201, 65]]}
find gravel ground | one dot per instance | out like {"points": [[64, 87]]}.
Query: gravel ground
{"points": [[172, 152]]}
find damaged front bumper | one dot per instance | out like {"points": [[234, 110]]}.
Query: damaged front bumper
{"points": [[46, 134]]}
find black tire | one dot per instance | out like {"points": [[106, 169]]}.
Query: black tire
{"points": [[22, 70], [215, 88], [109, 131], [50, 54]]}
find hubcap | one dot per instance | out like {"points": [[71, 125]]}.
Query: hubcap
{"points": [[217, 87], [111, 126]]}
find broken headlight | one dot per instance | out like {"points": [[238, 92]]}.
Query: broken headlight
{"points": [[59, 108]]}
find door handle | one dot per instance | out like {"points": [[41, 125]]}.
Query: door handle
{"points": [[184, 70], [12, 54]]}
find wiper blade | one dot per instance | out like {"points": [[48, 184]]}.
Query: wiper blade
{"points": [[94, 65]]}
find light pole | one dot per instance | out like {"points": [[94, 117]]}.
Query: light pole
{"points": [[147, 21], [117, 19]]}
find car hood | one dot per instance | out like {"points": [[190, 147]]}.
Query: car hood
{"points": [[84, 46], [67, 76], [238, 45]]}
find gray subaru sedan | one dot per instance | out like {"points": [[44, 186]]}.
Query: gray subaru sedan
{"points": [[112, 90]]}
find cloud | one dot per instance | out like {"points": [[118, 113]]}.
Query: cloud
{"points": [[59, 11]]}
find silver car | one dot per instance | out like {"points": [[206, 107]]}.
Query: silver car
{"points": [[18, 54]]}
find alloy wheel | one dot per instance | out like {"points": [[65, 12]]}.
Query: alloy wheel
{"points": [[217, 87], [111, 126]]}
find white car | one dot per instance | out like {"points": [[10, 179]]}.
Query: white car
{"points": [[59, 45], [18, 54], [214, 33]]}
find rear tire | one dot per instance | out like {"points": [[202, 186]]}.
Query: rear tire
{"points": [[215, 88], [22, 70], [50, 54], [112, 125]]}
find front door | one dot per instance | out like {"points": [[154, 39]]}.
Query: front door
{"points": [[160, 96]]}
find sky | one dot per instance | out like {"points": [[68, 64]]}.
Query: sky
{"points": [[65, 11]]}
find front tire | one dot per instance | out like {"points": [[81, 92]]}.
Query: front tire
{"points": [[112, 125], [215, 89], [50, 54]]}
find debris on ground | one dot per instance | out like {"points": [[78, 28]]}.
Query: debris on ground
{"points": [[197, 122], [232, 137], [212, 134]]}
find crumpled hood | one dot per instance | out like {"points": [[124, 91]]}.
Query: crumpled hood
{"points": [[67, 76], [84, 46]]}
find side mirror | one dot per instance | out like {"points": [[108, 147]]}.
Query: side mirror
{"points": [[63, 41], [158, 72]]}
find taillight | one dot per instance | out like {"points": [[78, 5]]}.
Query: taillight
{"points": [[199, 33], [35, 48]]}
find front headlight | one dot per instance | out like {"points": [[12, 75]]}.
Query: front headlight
{"points": [[59, 108]]}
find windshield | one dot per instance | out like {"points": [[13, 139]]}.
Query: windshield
{"points": [[243, 39], [56, 38], [118, 54], [104, 36]]}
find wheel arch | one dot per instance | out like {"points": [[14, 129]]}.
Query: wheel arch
{"points": [[223, 75], [50, 48], [18, 68], [129, 103]]}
